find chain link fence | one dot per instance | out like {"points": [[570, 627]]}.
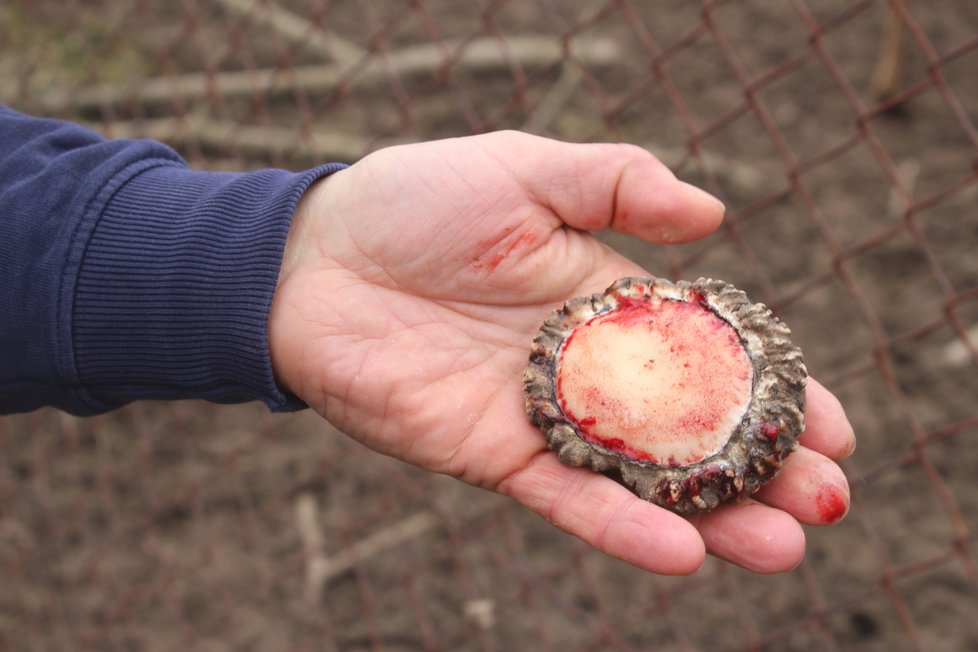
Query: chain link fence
{"points": [[842, 136]]}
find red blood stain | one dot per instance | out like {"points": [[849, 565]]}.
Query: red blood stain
{"points": [[769, 430], [831, 503], [524, 239], [693, 485], [629, 311], [614, 444], [642, 313]]}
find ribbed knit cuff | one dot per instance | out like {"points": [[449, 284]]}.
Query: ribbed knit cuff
{"points": [[176, 284]]}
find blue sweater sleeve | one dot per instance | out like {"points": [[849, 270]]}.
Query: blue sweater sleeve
{"points": [[125, 275]]}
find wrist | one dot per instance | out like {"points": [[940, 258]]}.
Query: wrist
{"points": [[174, 303], [304, 251]]}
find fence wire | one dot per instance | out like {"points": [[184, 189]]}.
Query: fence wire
{"points": [[842, 136]]}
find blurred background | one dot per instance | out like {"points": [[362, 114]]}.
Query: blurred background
{"points": [[842, 136]]}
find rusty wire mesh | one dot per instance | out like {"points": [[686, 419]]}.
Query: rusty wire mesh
{"points": [[841, 135]]}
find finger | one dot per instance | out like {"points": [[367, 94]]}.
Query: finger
{"points": [[827, 430], [810, 487], [601, 185], [607, 516], [754, 536]]}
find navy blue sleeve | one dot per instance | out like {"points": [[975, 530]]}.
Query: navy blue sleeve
{"points": [[125, 275]]}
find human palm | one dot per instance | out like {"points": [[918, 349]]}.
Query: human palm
{"points": [[413, 283]]}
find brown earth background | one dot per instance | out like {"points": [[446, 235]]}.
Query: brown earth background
{"points": [[852, 201]]}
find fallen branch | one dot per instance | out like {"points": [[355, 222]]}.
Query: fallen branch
{"points": [[320, 568], [548, 108], [476, 55], [249, 140], [900, 198], [295, 29], [890, 64]]}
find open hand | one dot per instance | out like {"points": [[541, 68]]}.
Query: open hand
{"points": [[413, 283]]}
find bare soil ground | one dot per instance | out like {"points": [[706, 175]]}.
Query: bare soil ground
{"points": [[195, 527]]}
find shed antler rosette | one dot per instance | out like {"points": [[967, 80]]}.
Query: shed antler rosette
{"points": [[687, 393]]}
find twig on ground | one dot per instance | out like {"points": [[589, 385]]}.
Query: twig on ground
{"points": [[475, 55], [888, 74], [907, 170], [547, 110], [320, 568], [307, 523], [257, 141], [296, 29]]}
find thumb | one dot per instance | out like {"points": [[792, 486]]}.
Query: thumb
{"points": [[603, 185]]}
